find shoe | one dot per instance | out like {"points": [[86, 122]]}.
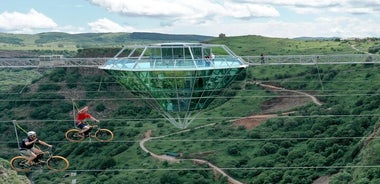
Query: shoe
{"points": [[85, 134]]}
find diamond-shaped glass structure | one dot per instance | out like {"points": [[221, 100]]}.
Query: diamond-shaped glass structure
{"points": [[178, 80]]}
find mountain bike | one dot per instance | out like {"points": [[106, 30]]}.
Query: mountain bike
{"points": [[53, 162], [101, 134]]}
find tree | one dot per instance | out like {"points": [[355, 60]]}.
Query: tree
{"points": [[233, 150], [170, 178], [341, 178]]}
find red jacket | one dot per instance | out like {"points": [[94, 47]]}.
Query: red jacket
{"points": [[81, 117]]}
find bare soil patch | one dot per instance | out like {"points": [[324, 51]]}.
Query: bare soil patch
{"points": [[283, 104]]}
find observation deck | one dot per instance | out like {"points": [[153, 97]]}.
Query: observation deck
{"points": [[174, 56], [176, 79]]}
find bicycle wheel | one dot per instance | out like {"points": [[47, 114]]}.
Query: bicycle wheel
{"points": [[73, 135], [57, 163], [18, 163], [103, 135]]}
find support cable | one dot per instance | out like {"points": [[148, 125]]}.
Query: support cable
{"points": [[17, 139]]}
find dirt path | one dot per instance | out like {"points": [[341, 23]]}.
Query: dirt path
{"points": [[354, 47], [217, 170], [249, 122], [313, 98], [285, 102]]}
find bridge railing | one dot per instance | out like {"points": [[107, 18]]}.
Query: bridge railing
{"points": [[312, 59], [85, 62], [63, 62], [251, 60]]}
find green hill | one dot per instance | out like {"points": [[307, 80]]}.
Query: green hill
{"points": [[58, 41], [256, 45], [333, 139]]}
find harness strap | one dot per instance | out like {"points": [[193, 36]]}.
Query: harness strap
{"points": [[75, 109]]}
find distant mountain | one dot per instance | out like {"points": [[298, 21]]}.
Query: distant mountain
{"points": [[317, 38], [66, 41], [163, 37]]}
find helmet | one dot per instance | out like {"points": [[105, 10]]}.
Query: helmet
{"points": [[31, 133]]}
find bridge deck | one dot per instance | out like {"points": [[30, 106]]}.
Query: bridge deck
{"points": [[251, 60]]}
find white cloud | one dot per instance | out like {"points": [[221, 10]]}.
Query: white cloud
{"points": [[275, 18], [320, 6], [244, 17], [25, 22], [303, 3], [106, 25], [184, 10], [147, 8], [247, 10], [320, 27]]}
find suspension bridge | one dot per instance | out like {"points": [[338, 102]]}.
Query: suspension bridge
{"points": [[250, 60]]}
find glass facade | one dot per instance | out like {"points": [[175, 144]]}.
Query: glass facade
{"points": [[178, 80], [177, 90]]}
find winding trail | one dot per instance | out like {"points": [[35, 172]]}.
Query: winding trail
{"points": [[354, 47], [217, 170], [313, 98]]}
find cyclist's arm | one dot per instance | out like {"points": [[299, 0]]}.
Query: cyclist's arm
{"points": [[27, 143], [45, 144], [94, 119]]}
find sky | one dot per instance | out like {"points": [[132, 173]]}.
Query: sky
{"points": [[269, 18]]}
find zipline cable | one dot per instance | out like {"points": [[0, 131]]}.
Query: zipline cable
{"points": [[166, 98], [223, 168], [232, 118], [75, 109], [235, 168], [17, 139]]}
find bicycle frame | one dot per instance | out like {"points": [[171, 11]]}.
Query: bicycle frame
{"points": [[100, 134], [53, 162]]}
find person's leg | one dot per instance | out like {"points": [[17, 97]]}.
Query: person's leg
{"points": [[37, 151], [84, 129], [31, 157], [39, 154], [27, 153]]}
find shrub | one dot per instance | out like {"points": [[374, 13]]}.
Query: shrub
{"points": [[100, 107], [49, 87]]}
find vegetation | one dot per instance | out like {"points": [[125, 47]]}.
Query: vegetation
{"points": [[256, 45], [314, 141], [9, 176], [56, 41]]}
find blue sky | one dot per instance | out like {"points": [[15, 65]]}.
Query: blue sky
{"points": [[272, 18]]}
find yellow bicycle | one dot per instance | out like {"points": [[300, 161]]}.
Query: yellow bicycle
{"points": [[53, 162], [101, 134]]}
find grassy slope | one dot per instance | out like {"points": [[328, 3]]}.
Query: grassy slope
{"points": [[226, 153], [255, 45]]}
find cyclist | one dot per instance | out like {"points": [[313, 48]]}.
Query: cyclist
{"points": [[80, 120], [27, 147]]}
